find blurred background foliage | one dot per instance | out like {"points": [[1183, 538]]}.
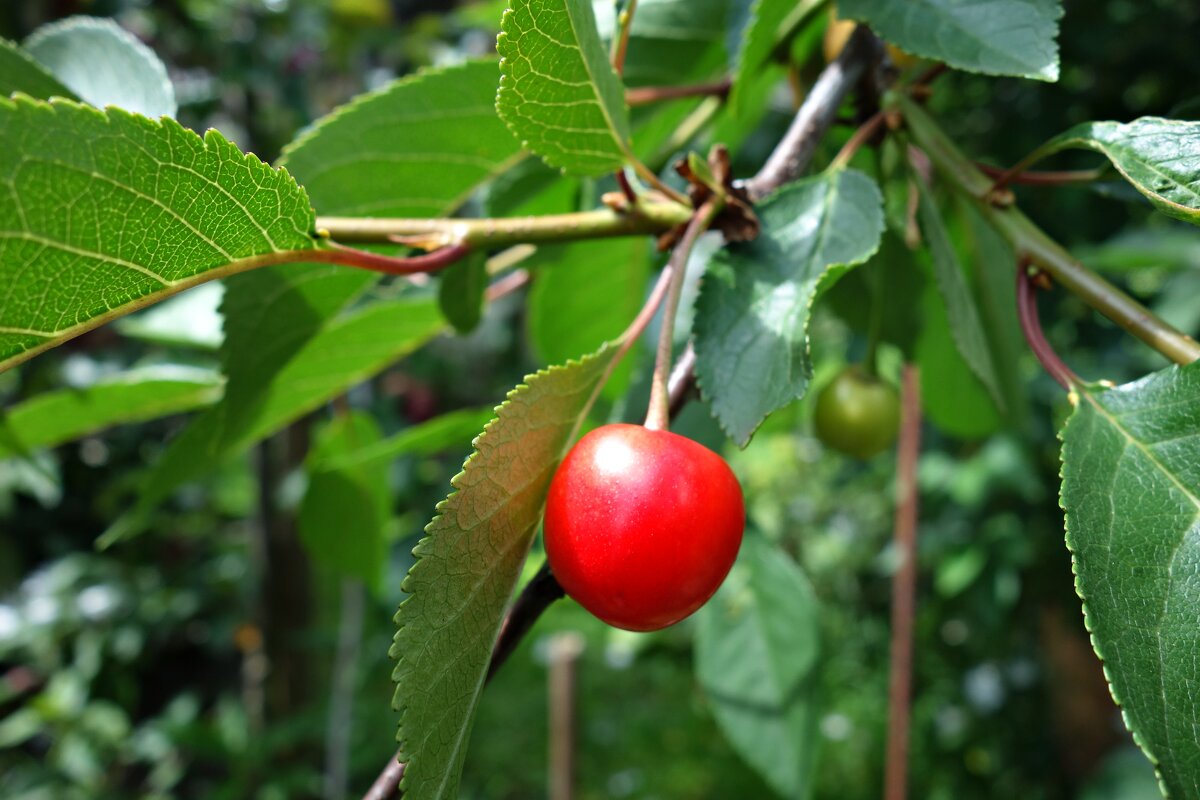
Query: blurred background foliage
{"points": [[217, 659]]}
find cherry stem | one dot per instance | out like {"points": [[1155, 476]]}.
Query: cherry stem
{"points": [[1031, 326], [904, 587], [658, 414], [857, 140], [645, 95], [621, 42], [626, 188]]}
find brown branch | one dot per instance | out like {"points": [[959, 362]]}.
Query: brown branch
{"points": [[350, 257], [818, 111], [904, 588], [645, 95]]}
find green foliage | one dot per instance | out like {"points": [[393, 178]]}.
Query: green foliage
{"points": [[461, 292], [672, 41], [352, 162], [757, 650], [752, 313], [457, 600], [769, 20], [51, 418], [107, 212], [1130, 471], [558, 91], [266, 392], [1159, 157], [565, 323], [347, 506], [999, 37], [966, 328], [132, 76]]}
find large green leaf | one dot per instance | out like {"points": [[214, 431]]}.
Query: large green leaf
{"points": [[66, 414], [106, 212], [20, 73], [104, 64], [995, 37], [757, 647], [966, 327], [346, 351], [752, 313], [415, 148], [558, 91], [1131, 492], [346, 508], [1159, 157], [468, 565]]}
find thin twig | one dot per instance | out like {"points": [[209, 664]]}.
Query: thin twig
{"points": [[621, 43], [1039, 178], [857, 140], [647, 218], [904, 587], [1031, 326], [428, 262], [682, 380], [645, 95]]}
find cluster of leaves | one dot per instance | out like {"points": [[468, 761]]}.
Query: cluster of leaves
{"points": [[108, 211]]}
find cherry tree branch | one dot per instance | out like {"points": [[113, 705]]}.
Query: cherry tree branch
{"points": [[1033, 244], [818, 111]]}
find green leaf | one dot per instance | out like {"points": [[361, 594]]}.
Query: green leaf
{"points": [[951, 396], [770, 21], [566, 320], [1159, 157], [104, 65], [558, 91], [757, 648], [20, 73], [752, 313], [997, 37], [266, 392], [961, 311], [468, 565], [106, 212], [415, 148], [440, 433], [461, 290], [345, 508], [1131, 468], [52, 418]]}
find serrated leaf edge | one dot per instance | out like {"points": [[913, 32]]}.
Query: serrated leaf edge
{"points": [[1068, 539]]}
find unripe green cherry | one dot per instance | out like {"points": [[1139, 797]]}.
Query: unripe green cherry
{"points": [[858, 413]]}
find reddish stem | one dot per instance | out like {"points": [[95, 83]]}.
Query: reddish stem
{"points": [[904, 588], [1040, 178], [1031, 326], [645, 95], [857, 140], [349, 257]]}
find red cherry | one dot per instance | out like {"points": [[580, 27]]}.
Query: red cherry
{"points": [[642, 525]]}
